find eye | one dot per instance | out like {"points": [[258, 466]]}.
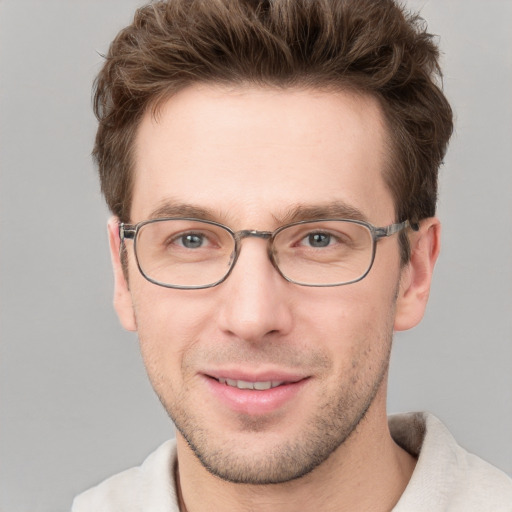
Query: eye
{"points": [[191, 240], [318, 239]]}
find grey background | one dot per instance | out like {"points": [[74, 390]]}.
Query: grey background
{"points": [[75, 403]]}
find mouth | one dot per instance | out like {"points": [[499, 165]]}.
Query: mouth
{"points": [[259, 395]]}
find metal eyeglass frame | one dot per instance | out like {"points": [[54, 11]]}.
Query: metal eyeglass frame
{"points": [[130, 231]]}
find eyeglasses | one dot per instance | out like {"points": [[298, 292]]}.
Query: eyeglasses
{"points": [[188, 253]]}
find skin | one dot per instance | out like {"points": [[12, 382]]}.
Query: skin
{"points": [[250, 156]]}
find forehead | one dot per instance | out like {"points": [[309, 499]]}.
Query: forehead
{"points": [[247, 152]]}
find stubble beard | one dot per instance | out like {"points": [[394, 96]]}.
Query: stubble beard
{"points": [[334, 421]]}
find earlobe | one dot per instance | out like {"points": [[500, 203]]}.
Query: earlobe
{"points": [[417, 275], [122, 297]]}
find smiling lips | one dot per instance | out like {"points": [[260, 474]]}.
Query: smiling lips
{"points": [[263, 395]]}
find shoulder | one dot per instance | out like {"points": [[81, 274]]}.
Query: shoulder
{"points": [[149, 486], [446, 477]]}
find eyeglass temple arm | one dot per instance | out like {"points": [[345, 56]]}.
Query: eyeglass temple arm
{"points": [[395, 228]]}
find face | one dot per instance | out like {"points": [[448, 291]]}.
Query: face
{"points": [[248, 158]]}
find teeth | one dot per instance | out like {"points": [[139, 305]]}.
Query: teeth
{"points": [[262, 385], [243, 384]]}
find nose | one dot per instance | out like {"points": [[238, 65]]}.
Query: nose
{"points": [[256, 300]]}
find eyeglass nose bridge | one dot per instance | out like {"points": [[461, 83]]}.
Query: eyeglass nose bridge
{"points": [[248, 233]]}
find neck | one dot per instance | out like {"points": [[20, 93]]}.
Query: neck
{"points": [[368, 472]]}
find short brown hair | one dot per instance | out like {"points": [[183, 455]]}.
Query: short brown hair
{"points": [[371, 46]]}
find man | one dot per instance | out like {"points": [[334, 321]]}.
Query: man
{"points": [[272, 171]]}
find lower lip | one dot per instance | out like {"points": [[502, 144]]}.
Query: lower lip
{"points": [[254, 402]]}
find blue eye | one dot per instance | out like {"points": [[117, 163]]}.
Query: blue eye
{"points": [[319, 239], [191, 241]]}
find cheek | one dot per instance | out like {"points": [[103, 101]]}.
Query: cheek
{"points": [[353, 324], [169, 324], [349, 309]]}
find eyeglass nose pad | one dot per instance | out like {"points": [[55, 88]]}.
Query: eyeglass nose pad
{"points": [[273, 255], [232, 257]]}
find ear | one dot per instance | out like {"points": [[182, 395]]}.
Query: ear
{"points": [[122, 297], [417, 274]]}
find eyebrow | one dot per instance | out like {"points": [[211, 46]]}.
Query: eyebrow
{"points": [[176, 209], [295, 213], [328, 210]]}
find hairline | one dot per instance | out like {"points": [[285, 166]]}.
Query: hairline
{"points": [[155, 105]]}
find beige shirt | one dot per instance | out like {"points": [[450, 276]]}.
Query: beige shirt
{"points": [[446, 477]]}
